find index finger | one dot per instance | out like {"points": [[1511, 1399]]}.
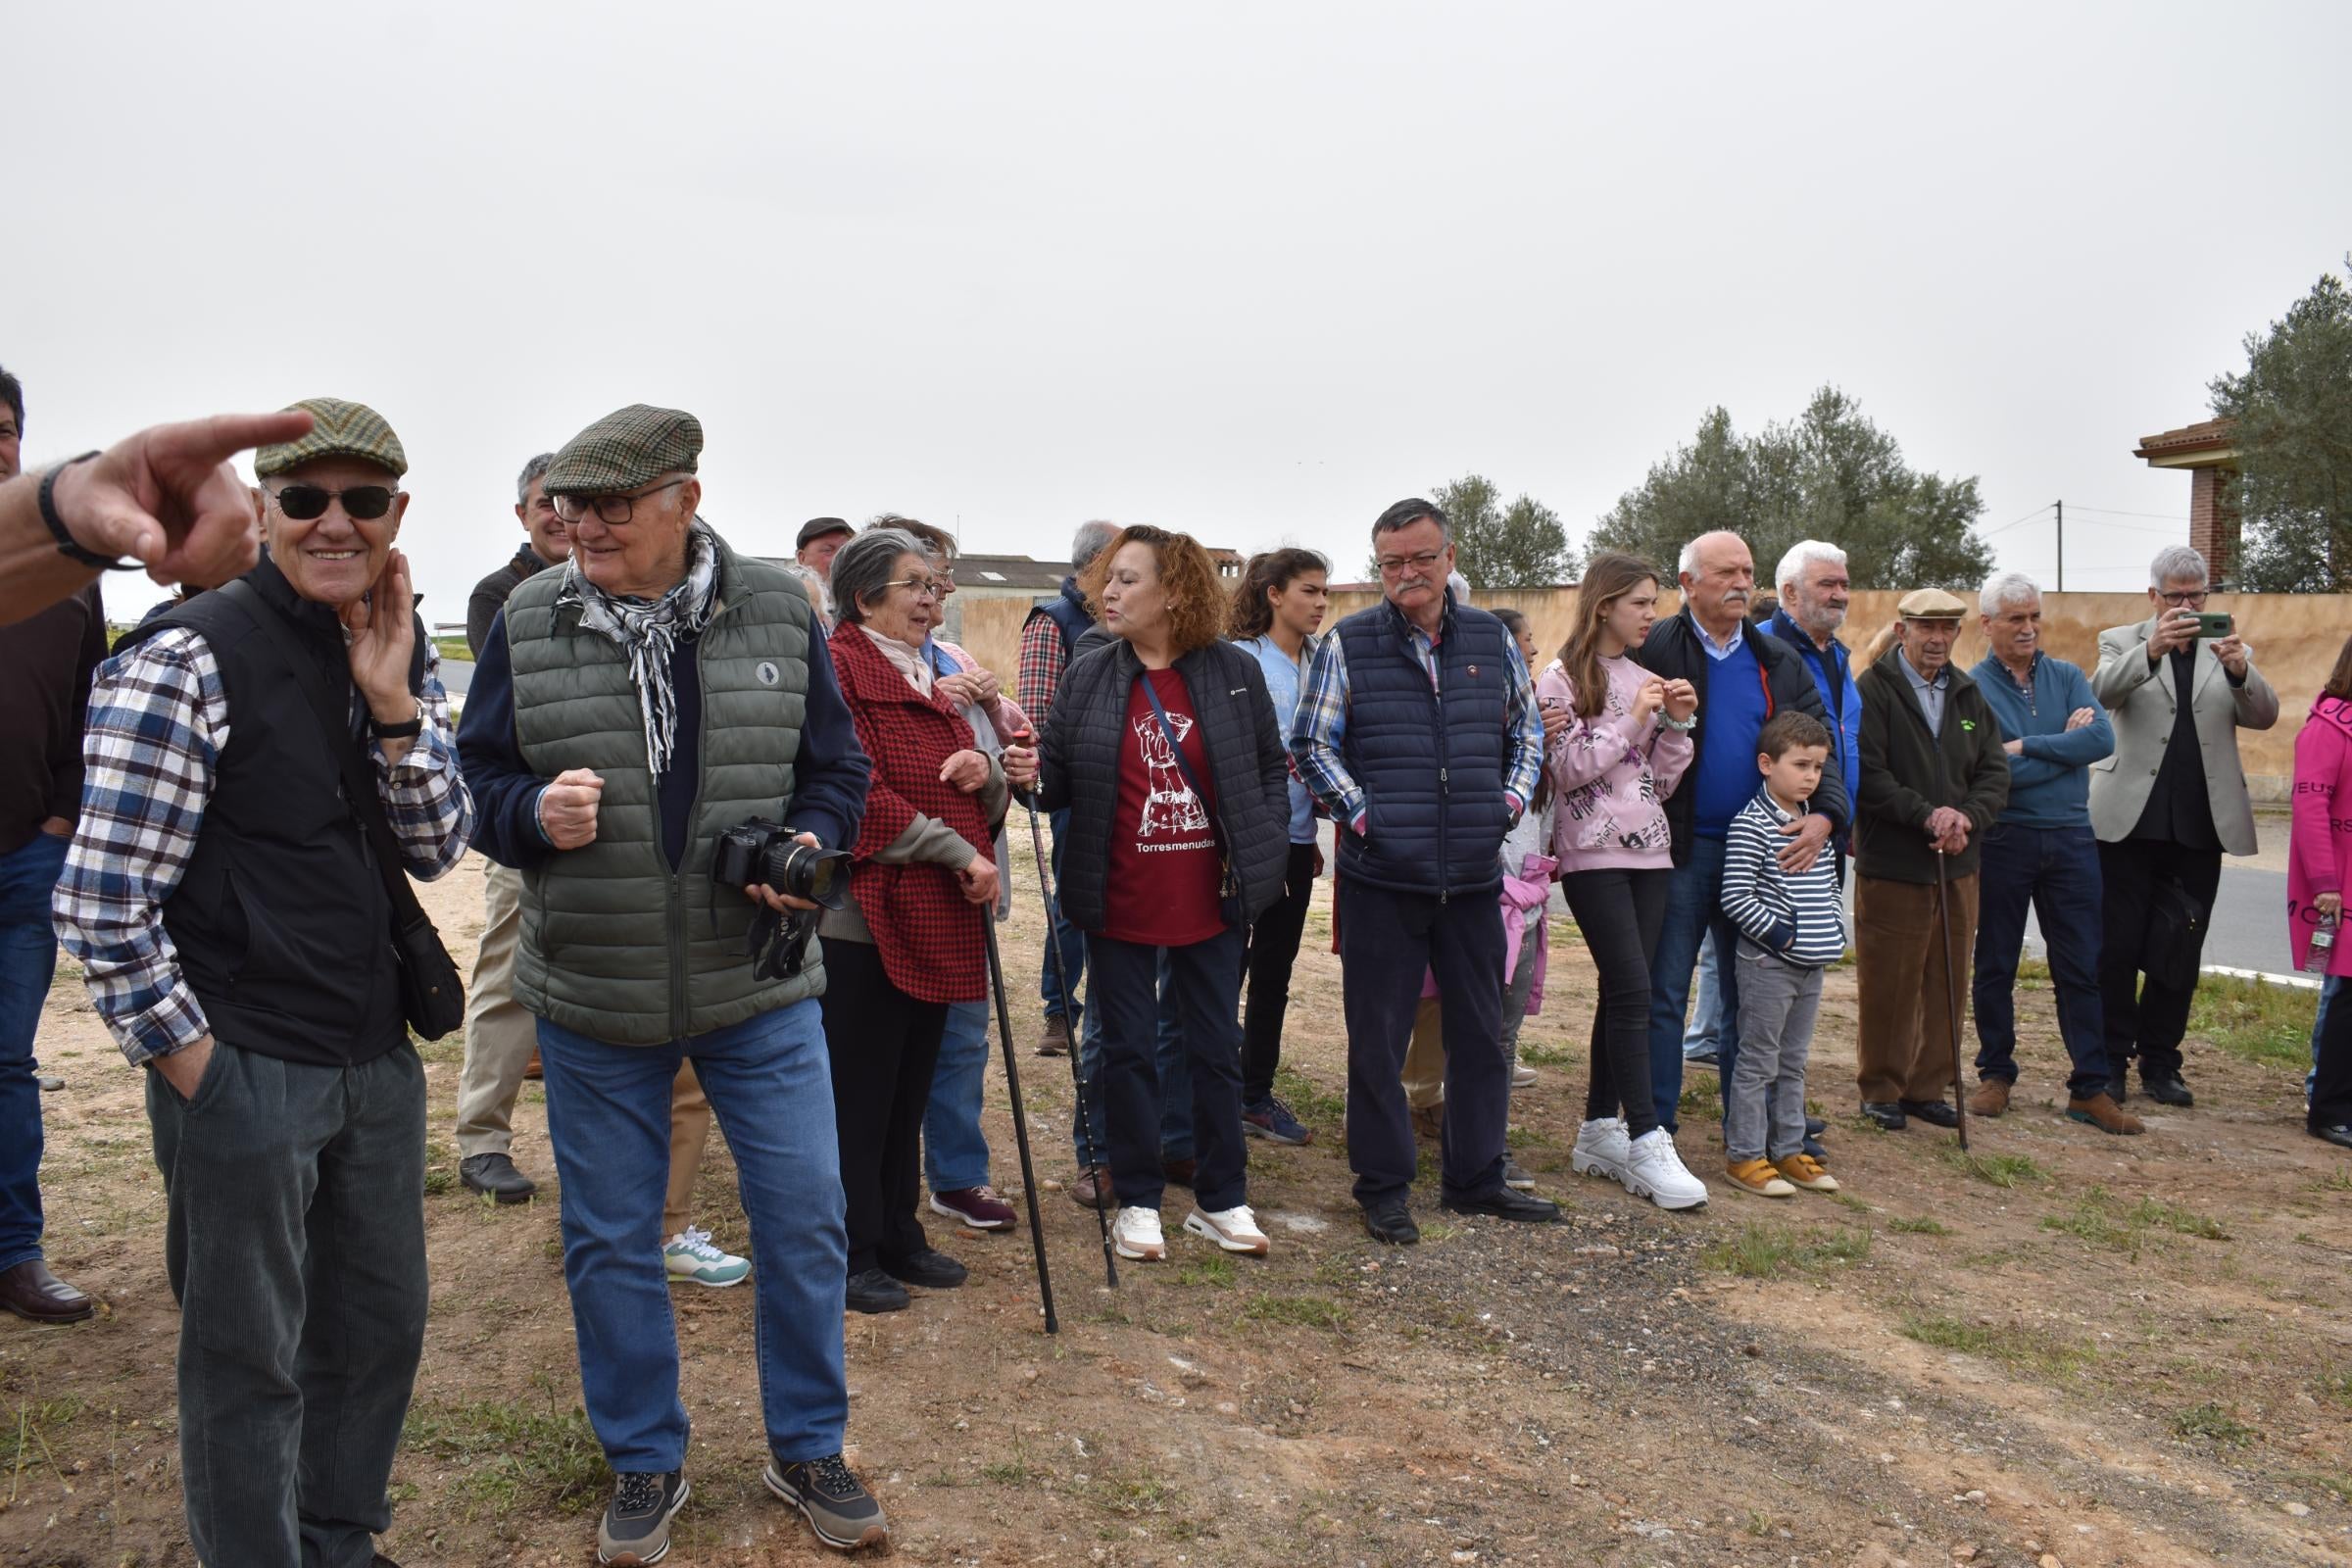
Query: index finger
{"points": [[220, 436]]}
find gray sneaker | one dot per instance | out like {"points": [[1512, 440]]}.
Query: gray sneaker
{"points": [[842, 1512], [635, 1530], [1516, 1175]]}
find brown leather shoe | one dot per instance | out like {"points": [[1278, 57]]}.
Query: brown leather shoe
{"points": [[1180, 1172], [1092, 1189], [1991, 1099], [1428, 1121], [2105, 1114], [1055, 1041], [531, 1068], [32, 1292]]}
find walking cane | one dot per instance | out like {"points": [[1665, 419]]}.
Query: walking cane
{"points": [[1061, 975], [1020, 1119], [1951, 989]]}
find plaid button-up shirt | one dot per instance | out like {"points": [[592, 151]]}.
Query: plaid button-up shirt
{"points": [[158, 721]]}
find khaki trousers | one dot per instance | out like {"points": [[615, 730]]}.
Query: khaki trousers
{"points": [[500, 1034], [689, 1131], [1424, 1074], [1906, 984]]}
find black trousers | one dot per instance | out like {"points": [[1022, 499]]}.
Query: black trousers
{"points": [[883, 1045], [1387, 941], [2331, 1081], [1620, 913], [1273, 950], [1206, 981], [2146, 1020]]}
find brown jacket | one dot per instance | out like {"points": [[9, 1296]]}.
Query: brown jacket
{"points": [[1908, 771]]}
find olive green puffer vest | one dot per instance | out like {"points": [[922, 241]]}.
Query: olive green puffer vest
{"points": [[617, 946]]}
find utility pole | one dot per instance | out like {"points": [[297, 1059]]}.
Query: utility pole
{"points": [[2061, 546]]}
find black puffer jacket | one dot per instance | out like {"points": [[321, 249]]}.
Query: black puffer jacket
{"points": [[1248, 769]]}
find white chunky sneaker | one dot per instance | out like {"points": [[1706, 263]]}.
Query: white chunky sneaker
{"points": [[1601, 1149], [1654, 1170], [1234, 1229], [1135, 1235]]}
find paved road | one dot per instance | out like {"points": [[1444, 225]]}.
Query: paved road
{"points": [[456, 674]]}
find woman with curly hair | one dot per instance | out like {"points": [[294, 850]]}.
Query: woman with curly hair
{"points": [[1163, 749]]}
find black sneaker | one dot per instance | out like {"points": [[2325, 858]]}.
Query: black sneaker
{"points": [[842, 1512], [636, 1525], [1501, 1202], [930, 1268], [1391, 1220], [495, 1176], [2166, 1089], [875, 1291]]}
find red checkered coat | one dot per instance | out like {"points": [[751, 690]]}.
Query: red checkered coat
{"points": [[928, 937]]}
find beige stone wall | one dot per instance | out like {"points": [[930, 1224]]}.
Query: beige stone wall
{"points": [[2294, 637]]}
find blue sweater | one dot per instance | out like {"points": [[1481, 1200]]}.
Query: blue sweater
{"points": [[1724, 773], [2049, 784]]}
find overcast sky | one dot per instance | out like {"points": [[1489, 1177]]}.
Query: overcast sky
{"points": [[1252, 272]]}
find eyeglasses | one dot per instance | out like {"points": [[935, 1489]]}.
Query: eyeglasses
{"points": [[609, 509], [2195, 598], [922, 587], [1394, 565], [361, 503]]}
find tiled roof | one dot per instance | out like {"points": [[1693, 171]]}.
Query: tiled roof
{"points": [[2203, 435]]}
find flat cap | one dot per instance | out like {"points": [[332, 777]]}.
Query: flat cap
{"points": [[817, 528], [339, 428], [1929, 603], [625, 449]]}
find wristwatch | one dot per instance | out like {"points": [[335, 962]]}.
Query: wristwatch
{"points": [[397, 732]]}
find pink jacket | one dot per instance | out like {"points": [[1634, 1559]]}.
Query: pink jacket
{"points": [[1613, 776], [2320, 850]]}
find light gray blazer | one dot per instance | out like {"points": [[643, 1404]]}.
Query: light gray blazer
{"points": [[2143, 701]]}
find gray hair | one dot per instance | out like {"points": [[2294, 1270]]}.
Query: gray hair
{"points": [[2177, 562], [532, 473], [1801, 555], [862, 567], [2005, 588], [1089, 542]]}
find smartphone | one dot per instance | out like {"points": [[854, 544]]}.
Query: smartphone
{"points": [[2211, 624]]}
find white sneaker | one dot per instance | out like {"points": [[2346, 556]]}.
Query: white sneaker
{"points": [[1601, 1149], [1521, 1076], [1135, 1235], [1234, 1229], [1654, 1170], [691, 1256]]}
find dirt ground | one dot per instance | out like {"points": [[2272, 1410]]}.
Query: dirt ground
{"points": [[2073, 1349]]}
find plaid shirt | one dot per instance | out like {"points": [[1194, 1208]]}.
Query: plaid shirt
{"points": [[1321, 724], [158, 722], [1039, 673]]}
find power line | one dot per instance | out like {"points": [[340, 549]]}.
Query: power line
{"points": [[2112, 511], [2028, 517]]}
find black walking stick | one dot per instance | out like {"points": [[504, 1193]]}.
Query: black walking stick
{"points": [[1020, 1118], [1061, 975], [1951, 991]]}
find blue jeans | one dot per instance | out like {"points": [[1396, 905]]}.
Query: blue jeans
{"points": [[1067, 937], [2056, 872], [607, 1117], [1091, 1139], [1693, 909], [1704, 1036], [27, 959], [954, 1150]]}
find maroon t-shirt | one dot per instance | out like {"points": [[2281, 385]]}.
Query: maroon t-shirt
{"points": [[1164, 867]]}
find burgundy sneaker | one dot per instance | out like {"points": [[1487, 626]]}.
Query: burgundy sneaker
{"points": [[977, 1206]]}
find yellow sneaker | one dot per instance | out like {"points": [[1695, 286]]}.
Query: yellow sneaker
{"points": [[1756, 1176], [1803, 1170]]}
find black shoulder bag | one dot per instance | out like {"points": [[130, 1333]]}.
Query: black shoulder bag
{"points": [[1230, 906], [432, 995]]}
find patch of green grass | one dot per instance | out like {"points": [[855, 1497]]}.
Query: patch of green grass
{"points": [[1216, 1270], [1548, 1056], [1007, 1473], [2097, 1219], [2005, 1172], [2021, 1349], [2338, 1180], [2336, 1385], [2212, 1422], [2032, 974], [1761, 1251], [453, 647], [1919, 1227], [27, 1428], [2339, 1485], [2254, 1021], [440, 1167], [514, 1454], [1307, 1099], [2150, 1213], [1702, 1097], [1301, 1311]]}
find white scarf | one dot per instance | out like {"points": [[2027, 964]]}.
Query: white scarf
{"points": [[907, 661], [648, 631]]}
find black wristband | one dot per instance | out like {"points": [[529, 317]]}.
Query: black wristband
{"points": [[67, 544], [398, 732]]}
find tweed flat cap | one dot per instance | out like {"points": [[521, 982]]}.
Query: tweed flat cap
{"points": [[339, 428], [817, 528], [1929, 603], [627, 448]]}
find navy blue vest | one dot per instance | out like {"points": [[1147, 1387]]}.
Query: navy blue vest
{"points": [[1067, 611], [1431, 762]]}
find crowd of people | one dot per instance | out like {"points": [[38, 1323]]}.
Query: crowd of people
{"points": [[747, 831]]}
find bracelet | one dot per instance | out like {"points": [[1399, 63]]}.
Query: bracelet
{"points": [[398, 732], [67, 544], [1684, 725]]}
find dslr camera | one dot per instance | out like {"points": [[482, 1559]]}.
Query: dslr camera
{"points": [[765, 853]]}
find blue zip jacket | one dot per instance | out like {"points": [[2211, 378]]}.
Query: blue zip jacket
{"points": [[2049, 784], [1833, 677]]}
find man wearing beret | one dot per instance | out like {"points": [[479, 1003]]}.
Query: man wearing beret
{"points": [[627, 710], [228, 911], [1933, 779]]}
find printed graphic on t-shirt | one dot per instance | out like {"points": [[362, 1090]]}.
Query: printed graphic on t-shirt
{"points": [[1169, 804], [1597, 826]]}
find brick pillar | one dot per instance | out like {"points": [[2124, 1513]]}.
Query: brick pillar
{"points": [[2213, 522]]}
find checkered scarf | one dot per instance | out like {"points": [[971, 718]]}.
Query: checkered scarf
{"points": [[649, 632]]}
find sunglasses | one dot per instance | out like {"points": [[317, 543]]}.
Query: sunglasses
{"points": [[361, 503]]}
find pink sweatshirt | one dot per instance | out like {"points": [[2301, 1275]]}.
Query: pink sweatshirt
{"points": [[1612, 776], [2320, 847]]}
